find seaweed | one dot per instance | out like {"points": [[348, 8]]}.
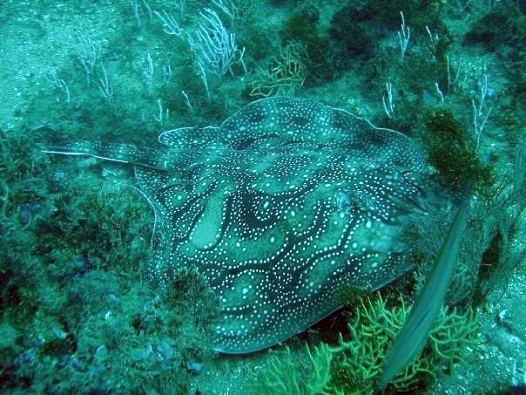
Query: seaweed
{"points": [[452, 151]]}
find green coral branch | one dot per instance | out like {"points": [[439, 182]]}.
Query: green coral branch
{"points": [[373, 330], [354, 365]]}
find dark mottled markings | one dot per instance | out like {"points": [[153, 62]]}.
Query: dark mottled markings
{"points": [[278, 207]]}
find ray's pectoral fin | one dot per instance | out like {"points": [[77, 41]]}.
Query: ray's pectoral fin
{"points": [[189, 137]]}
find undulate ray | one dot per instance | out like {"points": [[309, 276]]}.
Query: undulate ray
{"points": [[279, 207]]}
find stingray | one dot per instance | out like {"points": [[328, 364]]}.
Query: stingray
{"points": [[280, 208]]}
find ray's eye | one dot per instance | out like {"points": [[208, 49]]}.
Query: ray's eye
{"points": [[343, 201]]}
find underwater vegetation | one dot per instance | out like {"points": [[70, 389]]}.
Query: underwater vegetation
{"points": [[354, 365], [283, 375], [74, 313], [452, 151]]}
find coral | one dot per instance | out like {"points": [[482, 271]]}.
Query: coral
{"points": [[284, 375], [286, 77], [353, 366], [357, 362]]}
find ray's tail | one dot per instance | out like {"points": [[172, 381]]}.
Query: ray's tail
{"points": [[50, 141]]}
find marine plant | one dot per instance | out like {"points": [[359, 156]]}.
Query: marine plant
{"points": [[452, 151], [355, 363], [286, 76], [285, 374]]}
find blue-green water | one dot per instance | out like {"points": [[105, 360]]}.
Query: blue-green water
{"points": [[82, 306]]}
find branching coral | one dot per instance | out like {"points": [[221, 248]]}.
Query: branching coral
{"points": [[285, 374], [357, 362], [286, 77], [353, 366]]}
